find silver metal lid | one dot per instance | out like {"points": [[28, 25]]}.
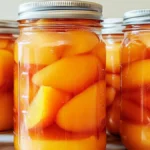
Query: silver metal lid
{"points": [[60, 9], [112, 26], [141, 16], [9, 27]]}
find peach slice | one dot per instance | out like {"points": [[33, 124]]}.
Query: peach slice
{"points": [[54, 132], [71, 74], [113, 58], [135, 136], [29, 69], [6, 111], [46, 46], [29, 55], [11, 46], [80, 42], [136, 75], [100, 52], [17, 120], [90, 143], [132, 112], [140, 97], [6, 69], [113, 117], [113, 80], [85, 112], [43, 109], [16, 93], [145, 38], [134, 50], [3, 43], [27, 89], [24, 91], [110, 95]]}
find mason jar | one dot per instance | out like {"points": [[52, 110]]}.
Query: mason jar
{"points": [[113, 36], [60, 77], [135, 104], [8, 33]]}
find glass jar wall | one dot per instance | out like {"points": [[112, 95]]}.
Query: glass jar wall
{"points": [[113, 36], [8, 31], [60, 78], [135, 109]]}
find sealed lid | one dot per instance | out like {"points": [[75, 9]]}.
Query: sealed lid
{"points": [[112, 26], [8, 27], [141, 16], [37, 9]]}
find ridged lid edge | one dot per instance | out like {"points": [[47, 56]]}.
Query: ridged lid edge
{"points": [[48, 8], [112, 26], [141, 16]]}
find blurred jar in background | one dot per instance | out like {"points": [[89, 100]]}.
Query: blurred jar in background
{"points": [[113, 36], [8, 32], [135, 74]]}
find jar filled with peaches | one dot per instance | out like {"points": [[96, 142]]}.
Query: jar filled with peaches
{"points": [[60, 84], [113, 36], [135, 74], [8, 34]]}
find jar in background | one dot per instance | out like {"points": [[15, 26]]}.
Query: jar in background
{"points": [[60, 77], [135, 104], [8, 32], [113, 36]]}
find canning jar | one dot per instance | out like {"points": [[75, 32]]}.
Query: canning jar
{"points": [[113, 36], [60, 77], [135, 104], [8, 32]]}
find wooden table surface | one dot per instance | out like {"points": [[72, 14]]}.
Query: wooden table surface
{"points": [[6, 142]]}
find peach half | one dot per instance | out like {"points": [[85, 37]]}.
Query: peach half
{"points": [[72, 74], [44, 107], [136, 75], [85, 112]]}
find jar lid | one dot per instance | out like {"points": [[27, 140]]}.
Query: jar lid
{"points": [[141, 16], [37, 9], [9, 27], [112, 26]]}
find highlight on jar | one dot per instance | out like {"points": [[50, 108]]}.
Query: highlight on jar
{"points": [[135, 105], [8, 34], [113, 36], [60, 85]]}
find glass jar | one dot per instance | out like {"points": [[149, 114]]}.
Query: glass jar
{"points": [[113, 36], [135, 105], [8, 32], [60, 77]]}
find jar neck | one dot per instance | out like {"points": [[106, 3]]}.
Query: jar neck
{"points": [[6, 36], [51, 24], [113, 36], [137, 27]]}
